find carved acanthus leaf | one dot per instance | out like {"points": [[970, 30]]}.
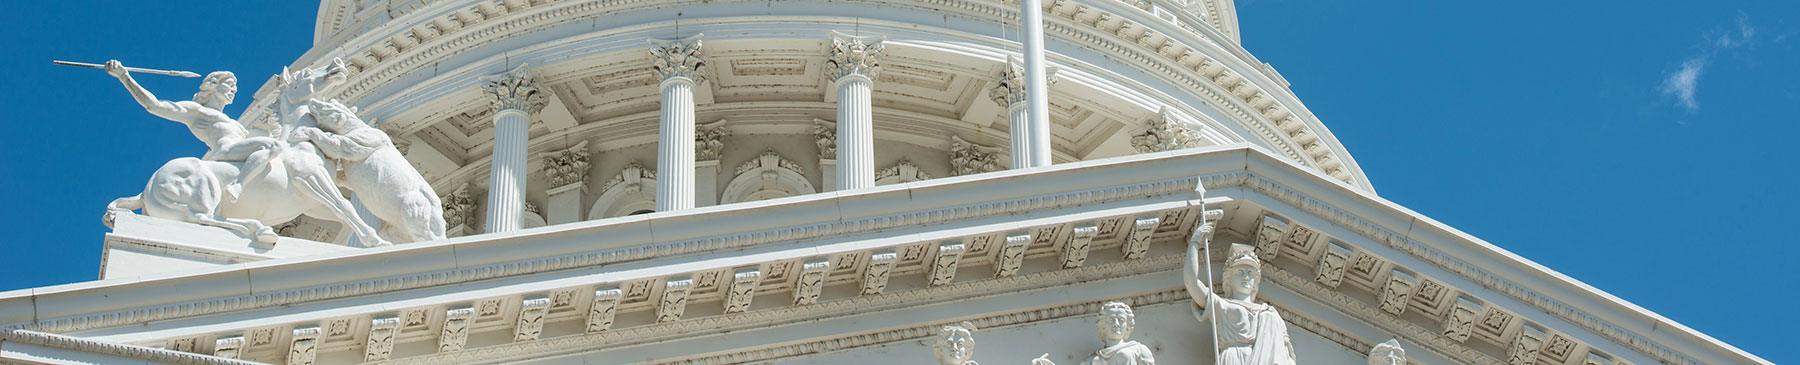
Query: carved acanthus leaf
{"points": [[569, 166], [605, 306], [969, 158], [679, 58], [514, 89], [1075, 253], [825, 134], [709, 140], [853, 55], [1164, 133], [459, 208], [1009, 87], [674, 299], [531, 318]]}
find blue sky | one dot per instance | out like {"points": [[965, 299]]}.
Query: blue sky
{"points": [[1643, 149]]}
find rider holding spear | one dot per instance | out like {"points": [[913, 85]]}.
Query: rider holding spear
{"points": [[226, 138]]}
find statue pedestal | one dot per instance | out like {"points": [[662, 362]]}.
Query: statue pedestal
{"points": [[141, 245]]}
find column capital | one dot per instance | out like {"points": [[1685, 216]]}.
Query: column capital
{"points": [[567, 167], [1164, 133], [1009, 88], [514, 89], [853, 55], [678, 58]]}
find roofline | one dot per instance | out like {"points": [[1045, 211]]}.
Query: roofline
{"points": [[286, 281]]}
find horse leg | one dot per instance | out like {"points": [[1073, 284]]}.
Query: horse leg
{"points": [[323, 191], [125, 205], [246, 227]]}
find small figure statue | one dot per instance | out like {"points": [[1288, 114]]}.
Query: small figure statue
{"points": [[1387, 353], [1115, 325], [956, 345], [1248, 332]]}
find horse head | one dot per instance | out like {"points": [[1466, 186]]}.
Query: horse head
{"points": [[297, 86]]}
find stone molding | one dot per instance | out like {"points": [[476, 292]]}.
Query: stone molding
{"points": [[1178, 185], [1375, 317], [112, 348], [859, 304], [514, 90]]}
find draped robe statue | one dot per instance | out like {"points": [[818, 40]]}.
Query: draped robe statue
{"points": [[1248, 332]]}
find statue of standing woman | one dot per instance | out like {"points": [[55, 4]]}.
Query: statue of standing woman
{"points": [[1248, 332]]}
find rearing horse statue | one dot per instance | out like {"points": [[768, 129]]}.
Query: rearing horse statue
{"points": [[298, 180]]}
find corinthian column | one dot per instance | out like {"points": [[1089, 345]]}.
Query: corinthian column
{"points": [[515, 98], [1037, 104], [1030, 136], [851, 65], [681, 66]]}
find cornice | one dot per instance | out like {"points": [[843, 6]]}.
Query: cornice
{"points": [[1178, 185], [832, 308], [110, 348]]}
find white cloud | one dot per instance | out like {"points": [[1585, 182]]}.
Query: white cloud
{"points": [[1683, 82]]}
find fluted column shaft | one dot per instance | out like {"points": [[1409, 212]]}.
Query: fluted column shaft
{"points": [[514, 97], [681, 66], [1020, 130], [1028, 130], [851, 64], [1037, 104], [506, 184], [856, 132], [675, 147]]}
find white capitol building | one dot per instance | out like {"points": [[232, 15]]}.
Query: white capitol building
{"points": [[796, 182]]}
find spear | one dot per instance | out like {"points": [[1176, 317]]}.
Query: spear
{"points": [[132, 69]]}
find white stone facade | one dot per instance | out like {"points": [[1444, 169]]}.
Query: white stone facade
{"points": [[823, 182]]}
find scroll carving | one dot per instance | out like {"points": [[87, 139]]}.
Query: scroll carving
{"points": [[1332, 264], [380, 344], [811, 281], [1075, 253], [875, 278], [228, 347], [943, 268], [1268, 237], [605, 306], [1011, 255], [1460, 322], [456, 329], [459, 209], [1138, 243], [709, 140], [303, 348], [1394, 295], [531, 318], [742, 290], [674, 300]]}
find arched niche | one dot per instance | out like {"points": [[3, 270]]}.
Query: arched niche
{"points": [[767, 177], [632, 191]]}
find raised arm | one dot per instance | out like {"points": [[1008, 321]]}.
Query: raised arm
{"points": [[161, 108]]}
